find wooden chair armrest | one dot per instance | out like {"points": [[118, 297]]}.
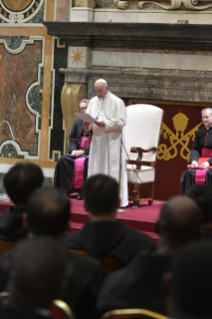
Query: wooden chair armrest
{"points": [[140, 152]]}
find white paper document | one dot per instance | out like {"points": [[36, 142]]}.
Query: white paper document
{"points": [[86, 117]]}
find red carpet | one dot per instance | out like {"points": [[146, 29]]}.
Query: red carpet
{"points": [[142, 219]]}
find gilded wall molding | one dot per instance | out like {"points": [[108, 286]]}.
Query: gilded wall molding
{"points": [[72, 94]]}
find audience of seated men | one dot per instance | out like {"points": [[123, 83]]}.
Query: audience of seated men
{"points": [[139, 284], [200, 173], [37, 274], [48, 213], [104, 235], [71, 169], [202, 194], [190, 283], [19, 182]]}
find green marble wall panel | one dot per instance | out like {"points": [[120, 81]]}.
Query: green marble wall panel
{"points": [[10, 151], [35, 98], [14, 43]]}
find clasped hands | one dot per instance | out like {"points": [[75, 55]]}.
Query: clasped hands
{"points": [[77, 153], [204, 165]]}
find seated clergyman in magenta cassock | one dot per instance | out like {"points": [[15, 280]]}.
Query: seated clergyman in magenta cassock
{"points": [[71, 169], [199, 170]]}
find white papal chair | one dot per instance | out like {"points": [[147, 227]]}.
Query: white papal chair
{"points": [[142, 134]]}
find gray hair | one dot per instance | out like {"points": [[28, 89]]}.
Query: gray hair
{"points": [[207, 109], [84, 101]]}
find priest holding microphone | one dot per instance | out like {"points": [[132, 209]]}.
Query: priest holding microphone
{"points": [[107, 155]]}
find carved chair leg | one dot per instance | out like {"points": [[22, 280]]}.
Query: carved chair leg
{"points": [[150, 202], [136, 196]]}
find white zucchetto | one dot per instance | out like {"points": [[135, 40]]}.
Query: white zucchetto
{"points": [[101, 81]]}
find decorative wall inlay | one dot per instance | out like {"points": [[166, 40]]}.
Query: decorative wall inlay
{"points": [[88, 3], [78, 57], [62, 10], [17, 44], [17, 5], [21, 11], [57, 137], [177, 4], [10, 150], [169, 152], [174, 4], [21, 96], [105, 3], [34, 97]]}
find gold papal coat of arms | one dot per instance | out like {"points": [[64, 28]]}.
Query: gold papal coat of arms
{"points": [[180, 122]]}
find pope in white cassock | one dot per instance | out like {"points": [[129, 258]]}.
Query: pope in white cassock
{"points": [[106, 148]]}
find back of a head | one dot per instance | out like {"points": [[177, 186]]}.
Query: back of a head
{"points": [[192, 281], [180, 221], [101, 194], [38, 268], [48, 212], [202, 194], [21, 180]]}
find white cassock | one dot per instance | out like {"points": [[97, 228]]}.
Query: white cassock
{"points": [[106, 150]]}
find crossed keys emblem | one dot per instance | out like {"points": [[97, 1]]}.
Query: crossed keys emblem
{"points": [[180, 122]]}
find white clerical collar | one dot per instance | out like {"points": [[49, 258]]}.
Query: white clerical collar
{"points": [[208, 128]]}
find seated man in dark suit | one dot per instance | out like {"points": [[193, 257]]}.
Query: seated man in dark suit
{"points": [[19, 182], [48, 213], [71, 169], [202, 194], [37, 274], [139, 284], [104, 235], [190, 283], [199, 172]]}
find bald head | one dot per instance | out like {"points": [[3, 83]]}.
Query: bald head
{"points": [[180, 221], [101, 88]]}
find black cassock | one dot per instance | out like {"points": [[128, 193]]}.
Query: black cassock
{"points": [[203, 138], [63, 177]]}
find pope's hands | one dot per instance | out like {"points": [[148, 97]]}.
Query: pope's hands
{"points": [[100, 123]]}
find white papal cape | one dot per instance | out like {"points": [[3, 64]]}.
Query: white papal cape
{"points": [[106, 148]]}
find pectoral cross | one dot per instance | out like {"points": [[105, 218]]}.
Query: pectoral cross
{"points": [[83, 141]]}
